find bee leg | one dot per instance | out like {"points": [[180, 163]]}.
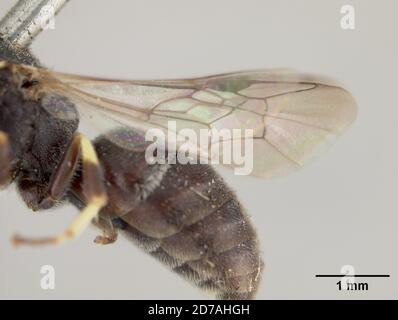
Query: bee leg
{"points": [[93, 189], [5, 159], [109, 232]]}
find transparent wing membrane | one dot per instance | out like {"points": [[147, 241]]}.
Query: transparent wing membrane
{"points": [[292, 116]]}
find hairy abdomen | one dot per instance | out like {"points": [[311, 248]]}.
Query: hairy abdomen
{"points": [[185, 216]]}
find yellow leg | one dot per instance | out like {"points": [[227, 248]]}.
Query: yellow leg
{"points": [[94, 191]]}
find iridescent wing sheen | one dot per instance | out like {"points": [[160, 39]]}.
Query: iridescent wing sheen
{"points": [[293, 116]]}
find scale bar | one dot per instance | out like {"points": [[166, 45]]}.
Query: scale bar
{"points": [[352, 275]]}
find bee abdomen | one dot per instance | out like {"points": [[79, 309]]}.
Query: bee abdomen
{"points": [[218, 253], [184, 215]]}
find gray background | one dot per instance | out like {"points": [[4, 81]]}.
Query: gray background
{"points": [[340, 210]]}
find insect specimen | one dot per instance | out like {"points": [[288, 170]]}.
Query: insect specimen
{"points": [[182, 214]]}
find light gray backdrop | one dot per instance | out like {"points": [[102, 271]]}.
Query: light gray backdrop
{"points": [[340, 210]]}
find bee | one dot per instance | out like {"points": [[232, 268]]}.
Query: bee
{"points": [[182, 214]]}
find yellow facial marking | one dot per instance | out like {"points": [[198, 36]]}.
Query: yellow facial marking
{"points": [[3, 138]]}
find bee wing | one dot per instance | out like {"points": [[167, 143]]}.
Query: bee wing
{"points": [[293, 116]]}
